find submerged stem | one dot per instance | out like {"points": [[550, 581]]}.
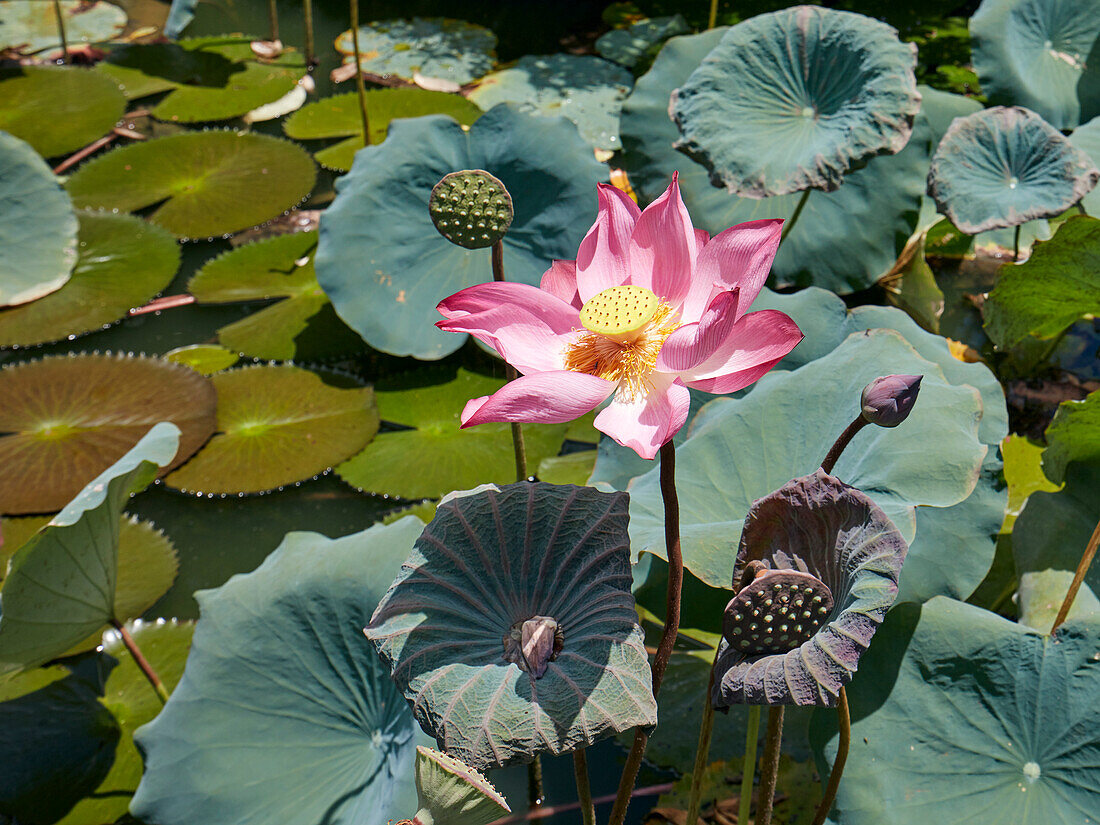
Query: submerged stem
{"points": [[769, 766], [702, 750], [61, 31], [307, 11], [1078, 577], [844, 719], [749, 764], [584, 790], [788, 225], [360, 90], [141, 661]]}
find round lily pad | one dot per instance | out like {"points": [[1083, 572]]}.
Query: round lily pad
{"points": [[122, 262], [1040, 54], [794, 99], [67, 418], [1005, 166], [57, 109], [431, 46], [199, 184], [37, 226], [31, 25], [582, 88], [277, 425], [205, 359], [1087, 139]]}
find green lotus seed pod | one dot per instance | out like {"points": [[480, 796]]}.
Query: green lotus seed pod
{"points": [[471, 208]]}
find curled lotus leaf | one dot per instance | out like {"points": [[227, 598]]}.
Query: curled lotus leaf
{"points": [[794, 99], [431, 46], [505, 584], [452, 793], [1005, 166], [815, 525]]}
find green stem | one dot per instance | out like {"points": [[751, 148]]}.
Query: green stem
{"points": [[354, 9], [307, 10], [788, 225], [61, 31], [141, 661], [518, 444], [711, 22], [844, 720], [584, 790], [1016, 244], [769, 766], [749, 764], [273, 17], [702, 750], [1078, 577]]}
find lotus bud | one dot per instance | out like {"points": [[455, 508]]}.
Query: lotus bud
{"points": [[887, 401], [471, 208]]}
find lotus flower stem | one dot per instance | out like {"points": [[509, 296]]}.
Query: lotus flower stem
{"points": [[845, 437], [354, 14], [749, 764], [518, 443], [307, 11], [702, 750], [789, 225], [61, 31], [769, 766], [844, 719], [1016, 244], [536, 794], [1078, 577], [273, 16], [584, 790], [711, 22], [141, 661]]}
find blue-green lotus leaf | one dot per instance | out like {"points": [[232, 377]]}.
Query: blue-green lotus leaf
{"points": [[1005, 166], [511, 628], [180, 15], [431, 46], [815, 524], [843, 240], [284, 709], [628, 46], [1041, 54], [1087, 139], [581, 88], [380, 259], [797, 98], [960, 715]]}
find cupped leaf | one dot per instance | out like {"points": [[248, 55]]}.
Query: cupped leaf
{"points": [[452, 793], [628, 46], [1073, 435], [430, 46], [380, 259], [1087, 139], [1005, 166], [67, 419], [31, 25], [511, 628], [582, 88], [58, 110], [277, 425], [198, 184], [1040, 54], [283, 706], [122, 262], [205, 359], [433, 455], [37, 226], [61, 584]]}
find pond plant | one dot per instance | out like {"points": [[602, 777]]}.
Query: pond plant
{"points": [[260, 562]]}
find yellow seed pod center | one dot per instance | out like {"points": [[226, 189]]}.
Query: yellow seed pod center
{"points": [[619, 312]]}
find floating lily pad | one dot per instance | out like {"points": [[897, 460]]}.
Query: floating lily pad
{"points": [[511, 628], [339, 117], [1087, 139], [58, 110], [1040, 54], [122, 262], [628, 46], [380, 259], [1004, 166], [37, 226], [143, 69], [283, 705], [277, 425], [65, 419], [199, 183], [582, 88], [431, 46], [452, 793], [1073, 435], [433, 455], [573, 468], [31, 25], [205, 359]]}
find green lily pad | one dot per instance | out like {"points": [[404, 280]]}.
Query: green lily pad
{"points": [[434, 456], [585, 89], [277, 425], [31, 25], [1041, 595], [1087, 139], [452, 793], [1040, 54], [58, 110], [431, 46], [37, 226], [61, 584], [205, 359], [470, 628], [796, 99], [628, 46], [1003, 167], [573, 468], [66, 419], [283, 706], [122, 262], [380, 259], [200, 183], [339, 117], [143, 69], [1073, 435]]}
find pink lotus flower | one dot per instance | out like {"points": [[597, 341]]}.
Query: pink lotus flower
{"points": [[650, 307]]}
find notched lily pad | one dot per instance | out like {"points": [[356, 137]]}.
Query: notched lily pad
{"points": [[31, 25], [431, 46]]}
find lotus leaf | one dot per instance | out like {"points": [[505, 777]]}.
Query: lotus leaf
{"points": [[205, 359], [451, 793], [1073, 435], [180, 15], [838, 240], [1004, 166], [283, 706], [382, 263], [66, 419], [1041, 595], [1087, 139], [61, 584], [37, 226], [122, 262], [31, 25], [1040, 54], [430, 46], [200, 183], [629, 46], [339, 117], [277, 425], [511, 628], [585, 89], [979, 715]]}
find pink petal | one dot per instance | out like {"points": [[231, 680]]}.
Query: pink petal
{"points": [[646, 424], [561, 280], [545, 398], [603, 257], [739, 257], [663, 247], [701, 239], [552, 310], [757, 342], [692, 344]]}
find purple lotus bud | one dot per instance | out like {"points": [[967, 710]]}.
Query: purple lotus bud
{"points": [[887, 401]]}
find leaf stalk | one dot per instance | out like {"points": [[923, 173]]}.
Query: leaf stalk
{"points": [[844, 720], [141, 661]]}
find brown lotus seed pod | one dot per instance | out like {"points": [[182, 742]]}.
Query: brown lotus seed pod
{"points": [[783, 612], [471, 208]]}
